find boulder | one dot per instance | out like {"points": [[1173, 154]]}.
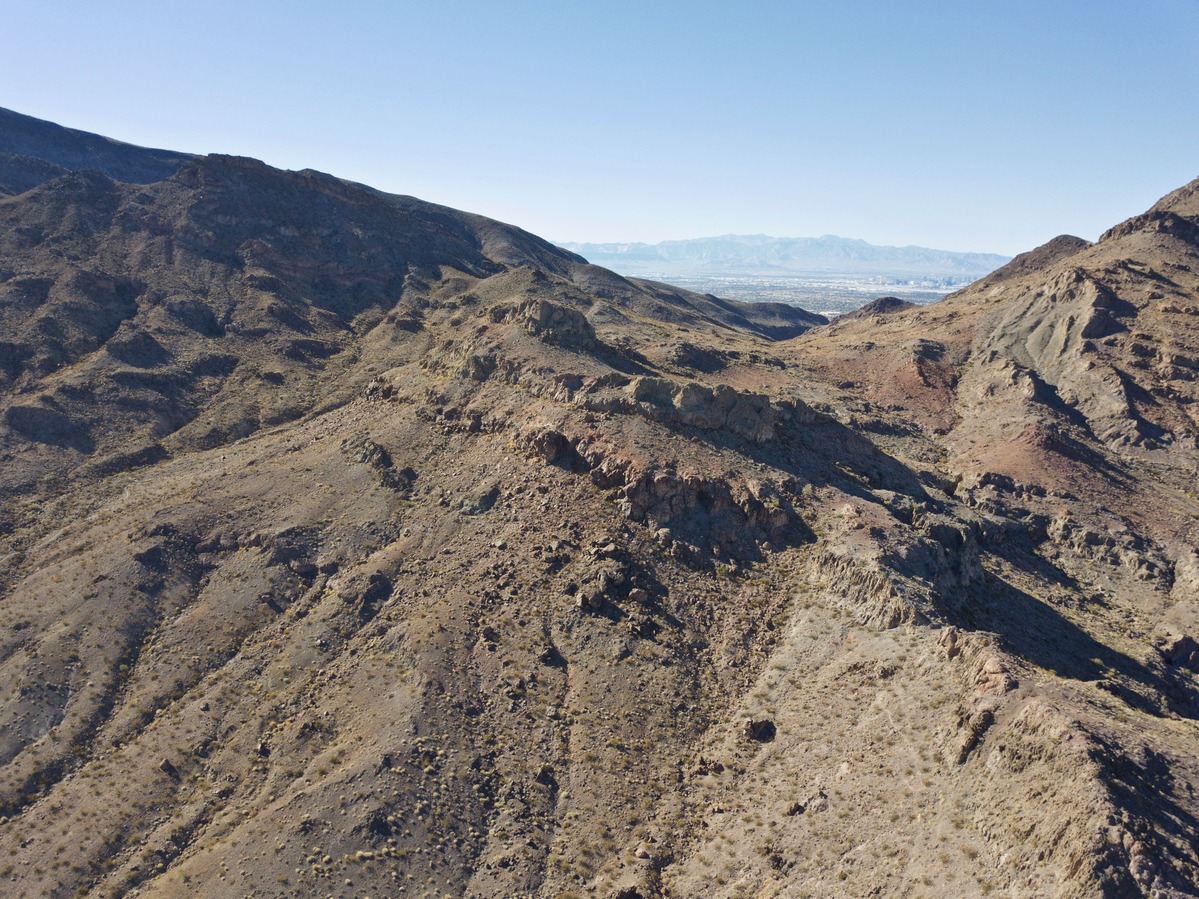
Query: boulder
{"points": [[761, 730]]}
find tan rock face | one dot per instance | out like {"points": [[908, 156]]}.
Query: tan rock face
{"points": [[354, 545]]}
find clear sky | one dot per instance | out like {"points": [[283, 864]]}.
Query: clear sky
{"points": [[969, 126]]}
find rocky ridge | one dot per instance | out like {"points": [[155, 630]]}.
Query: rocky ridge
{"points": [[358, 546]]}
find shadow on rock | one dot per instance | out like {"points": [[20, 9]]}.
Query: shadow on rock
{"points": [[1034, 630], [43, 425]]}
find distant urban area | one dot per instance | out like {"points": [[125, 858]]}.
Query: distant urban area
{"points": [[828, 295], [830, 275]]}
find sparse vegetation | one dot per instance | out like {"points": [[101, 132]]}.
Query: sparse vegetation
{"points": [[374, 559]]}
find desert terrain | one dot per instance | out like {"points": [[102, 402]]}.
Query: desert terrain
{"points": [[352, 545]]}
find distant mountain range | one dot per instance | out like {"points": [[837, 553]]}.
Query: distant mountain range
{"points": [[760, 254]]}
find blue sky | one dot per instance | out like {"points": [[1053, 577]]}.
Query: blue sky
{"points": [[980, 126]]}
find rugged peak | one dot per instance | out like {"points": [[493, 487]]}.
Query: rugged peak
{"points": [[1175, 214], [880, 306], [1045, 255], [1184, 201]]}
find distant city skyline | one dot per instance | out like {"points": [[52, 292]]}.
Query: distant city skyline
{"points": [[973, 128]]}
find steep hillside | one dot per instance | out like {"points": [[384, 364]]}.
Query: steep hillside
{"points": [[1059, 395], [33, 151], [357, 546]]}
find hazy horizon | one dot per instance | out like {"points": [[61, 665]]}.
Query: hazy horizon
{"points": [[728, 235]]}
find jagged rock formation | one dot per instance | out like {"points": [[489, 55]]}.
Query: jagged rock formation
{"points": [[353, 545]]}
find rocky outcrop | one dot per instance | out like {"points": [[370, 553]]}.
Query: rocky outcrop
{"points": [[1181, 650], [700, 514], [727, 518], [557, 324], [1120, 547], [721, 408], [689, 404]]}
